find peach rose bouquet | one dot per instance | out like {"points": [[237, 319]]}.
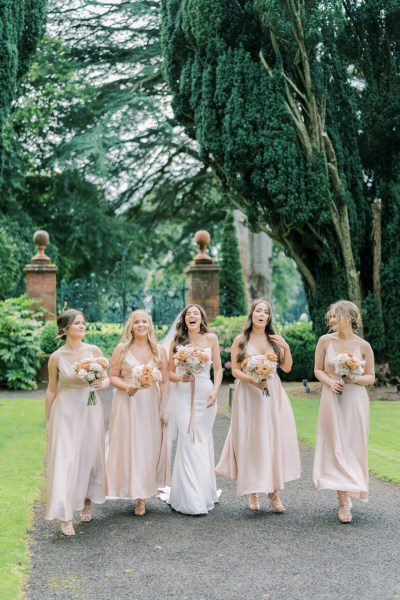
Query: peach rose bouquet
{"points": [[190, 359], [261, 367], [348, 365], [144, 376], [90, 369]]}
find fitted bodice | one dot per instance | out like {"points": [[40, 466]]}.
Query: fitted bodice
{"points": [[128, 364], [330, 359]]}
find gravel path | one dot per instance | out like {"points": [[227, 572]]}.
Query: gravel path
{"points": [[230, 554]]}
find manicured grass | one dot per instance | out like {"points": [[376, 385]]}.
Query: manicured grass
{"points": [[22, 445], [384, 439]]}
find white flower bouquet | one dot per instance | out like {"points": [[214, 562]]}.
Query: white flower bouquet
{"points": [[90, 369], [348, 365], [190, 359], [144, 376], [261, 367]]}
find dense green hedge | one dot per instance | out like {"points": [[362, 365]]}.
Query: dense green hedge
{"points": [[302, 342], [19, 343]]}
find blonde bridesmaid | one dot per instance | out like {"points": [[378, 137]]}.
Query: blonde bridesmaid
{"points": [[75, 430], [137, 463], [341, 447], [261, 450]]}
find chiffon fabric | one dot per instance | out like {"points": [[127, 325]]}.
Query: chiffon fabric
{"points": [[75, 448], [261, 450], [341, 447], [137, 462], [193, 488]]}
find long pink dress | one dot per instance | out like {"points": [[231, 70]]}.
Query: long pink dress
{"points": [[261, 450], [75, 448], [137, 463], [341, 447]]}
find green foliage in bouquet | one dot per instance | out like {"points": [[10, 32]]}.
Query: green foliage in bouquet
{"points": [[19, 343]]}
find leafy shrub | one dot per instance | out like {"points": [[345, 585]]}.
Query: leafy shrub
{"points": [[302, 342], [48, 341], [19, 343]]}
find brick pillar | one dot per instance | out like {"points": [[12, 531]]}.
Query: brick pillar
{"points": [[41, 277], [202, 278]]}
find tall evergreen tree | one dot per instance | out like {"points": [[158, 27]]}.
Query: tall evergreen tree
{"points": [[21, 27], [233, 298], [296, 107]]}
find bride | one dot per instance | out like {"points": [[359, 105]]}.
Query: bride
{"points": [[193, 410]]}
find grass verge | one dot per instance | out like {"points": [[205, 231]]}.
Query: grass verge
{"points": [[22, 445], [384, 441]]}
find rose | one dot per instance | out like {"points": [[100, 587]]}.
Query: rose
{"points": [[137, 371], [156, 374], [264, 369], [90, 377], [181, 356], [95, 366], [272, 356], [352, 363], [147, 380]]}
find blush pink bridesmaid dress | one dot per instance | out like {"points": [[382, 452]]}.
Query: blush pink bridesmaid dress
{"points": [[261, 450], [137, 463], [341, 446], [75, 448]]}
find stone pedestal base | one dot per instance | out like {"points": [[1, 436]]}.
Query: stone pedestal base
{"points": [[203, 288]]}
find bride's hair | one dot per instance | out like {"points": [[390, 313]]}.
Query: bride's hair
{"points": [[64, 322], [181, 334], [344, 309], [128, 337], [247, 329]]}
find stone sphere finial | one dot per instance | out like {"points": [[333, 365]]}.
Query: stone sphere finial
{"points": [[41, 239], [202, 238]]}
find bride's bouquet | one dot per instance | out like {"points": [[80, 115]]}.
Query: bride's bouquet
{"points": [[348, 365], [190, 359], [144, 376], [261, 367], [90, 369]]}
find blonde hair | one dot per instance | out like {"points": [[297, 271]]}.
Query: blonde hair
{"points": [[128, 337], [344, 309]]}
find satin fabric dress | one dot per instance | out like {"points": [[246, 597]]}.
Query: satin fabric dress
{"points": [[75, 446], [137, 462], [341, 446], [193, 488], [261, 450]]}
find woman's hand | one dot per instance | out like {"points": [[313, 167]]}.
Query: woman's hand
{"points": [[131, 390], [164, 422], [279, 341], [261, 385], [212, 398], [97, 384], [349, 379], [336, 386], [187, 377]]}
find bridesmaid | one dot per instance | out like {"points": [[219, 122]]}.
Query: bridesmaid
{"points": [[137, 461], [261, 450], [341, 452], [194, 400], [75, 431]]}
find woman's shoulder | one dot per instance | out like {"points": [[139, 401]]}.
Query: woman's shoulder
{"points": [[325, 339], [211, 338], [364, 345]]}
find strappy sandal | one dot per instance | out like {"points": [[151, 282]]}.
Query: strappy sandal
{"points": [[140, 507], [86, 512], [344, 510], [253, 502], [275, 502], [67, 528]]}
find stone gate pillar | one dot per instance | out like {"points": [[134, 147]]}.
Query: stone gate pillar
{"points": [[41, 277], [202, 278]]}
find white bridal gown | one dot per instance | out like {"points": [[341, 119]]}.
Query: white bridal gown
{"points": [[193, 488]]}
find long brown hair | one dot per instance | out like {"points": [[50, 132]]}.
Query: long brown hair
{"points": [[65, 320], [128, 337], [248, 327], [182, 334]]}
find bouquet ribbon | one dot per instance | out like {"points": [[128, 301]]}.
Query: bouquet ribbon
{"points": [[193, 428]]}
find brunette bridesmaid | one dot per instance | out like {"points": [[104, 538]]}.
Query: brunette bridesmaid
{"points": [[75, 430], [137, 463], [341, 447], [261, 450]]}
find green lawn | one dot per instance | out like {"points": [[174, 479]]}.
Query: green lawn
{"points": [[384, 438], [22, 446]]}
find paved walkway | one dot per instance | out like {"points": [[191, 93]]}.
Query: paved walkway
{"points": [[230, 554]]}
